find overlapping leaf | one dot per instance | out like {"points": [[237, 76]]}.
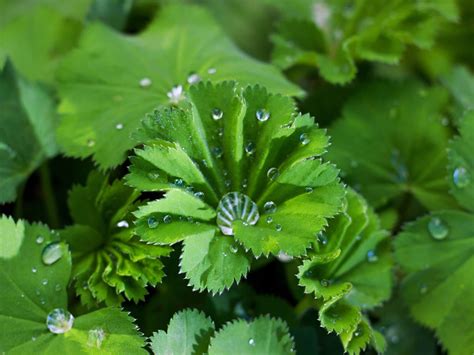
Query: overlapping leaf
{"points": [[27, 125], [31, 289], [335, 35], [213, 144], [351, 272], [128, 76], [110, 262], [388, 149]]}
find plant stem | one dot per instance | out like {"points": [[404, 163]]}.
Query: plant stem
{"points": [[48, 196]]}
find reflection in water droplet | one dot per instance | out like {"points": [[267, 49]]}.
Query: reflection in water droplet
{"points": [[270, 207], [262, 115], [193, 78], [236, 206], [217, 114], [122, 224], [59, 321], [438, 230], [52, 253], [273, 173], [304, 138], [152, 222], [95, 337], [461, 177], [145, 82]]}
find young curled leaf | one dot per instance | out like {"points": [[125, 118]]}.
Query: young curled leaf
{"points": [[110, 263], [241, 171]]}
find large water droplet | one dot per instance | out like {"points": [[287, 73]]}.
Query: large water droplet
{"points": [[95, 337], [217, 114], [236, 206], [152, 222], [273, 173], [304, 139], [270, 207], [39, 239], [52, 253], [461, 177], [193, 78], [122, 224], [59, 321], [262, 115], [438, 230], [145, 82]]}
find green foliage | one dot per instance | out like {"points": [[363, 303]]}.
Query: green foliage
{"points": [[27, 126], [283, 153], [102, 105], [334, 35], [349, 273], [460, 82], [31, 289], [110, 262], [388, 149]]}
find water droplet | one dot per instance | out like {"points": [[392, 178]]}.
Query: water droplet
{"points": [[236, 206], [176, 94], [211, 71], [153, 175], [52, 253], [308, 189], [90, 143], [217, 114], [324, 282], [354, 163], [199, 194], [217, 152], [39, 239], [437, 228], [423, 289], [193, 78], [284, 257], [167, 219], [34, 270], [269, 219], [152, 222], [249, 148], [220, 131], [234, 248], [44, 282], [392, 335], [119, 126], [33, 338], [273, 173], [95, 337], [179, 182], [461, 177], [322, 238], [224, 254], [400, 167], [59, 321], [57, 287], [145, 82], [252, 341], [321, 14], [270, 207], [262, 115], [372, 257], [278, 227], [358, 332], [85, 286], [122, 224], [304, 138]]}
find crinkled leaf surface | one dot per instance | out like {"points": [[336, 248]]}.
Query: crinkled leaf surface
{"points": [[27, 125], [350, 272], [31, 289], [439, 285], [110, 262], [264, 335], [197, 159], [334, 35], [34, 34], [461, 163], [185, 330], [388, 149], [108, 94]]}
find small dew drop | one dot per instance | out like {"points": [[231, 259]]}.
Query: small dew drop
{"points": [[152, 222], [284, 257], [179, 182], [44, 282], [269, 219], [153, 175], [211, 71], [372, 257], [122, 224], [273, 173], [217, 151], [234, 249], [252, 341], [193, 78], [119, 126], [95, 337], [52, 253], [278, 227], [199, 194], [90, 143], [59, 321], [217, 114], [57, 288], [324, 283], [249, 148], [39, 239], [461, 177], [423, 289], [304, 139], [34, 270], [33, 338], [167, 219], [145, 82], [437, 229], [308, 189], [322, 238], [270, 207], [262, 115]]}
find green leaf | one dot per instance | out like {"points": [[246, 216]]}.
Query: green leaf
{"points": [[461, 163], [35, 34], [264, 335], [201, 162], [397, 151], [351, 272], [103, 105], [31, 289], [436, 253], [110, 262], [460, 83], [185, 329], [27, 121], [334, 36]]}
